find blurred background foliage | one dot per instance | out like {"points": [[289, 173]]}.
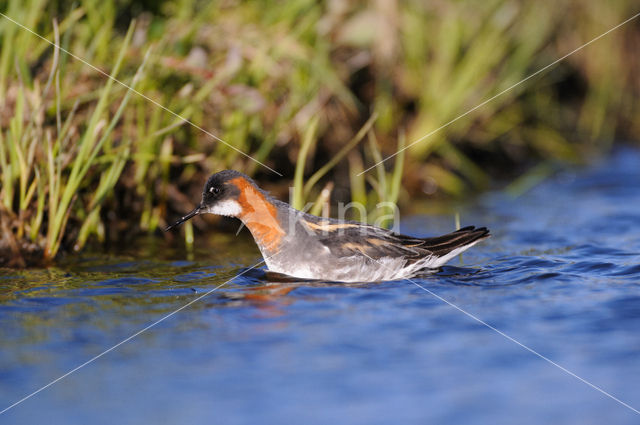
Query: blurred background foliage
{"points": [[318, 91]]}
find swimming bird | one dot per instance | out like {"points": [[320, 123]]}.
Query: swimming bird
{"points": [[302, 245]]}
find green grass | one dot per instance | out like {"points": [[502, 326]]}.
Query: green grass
{"points": [[49, 171], [316, 91]]}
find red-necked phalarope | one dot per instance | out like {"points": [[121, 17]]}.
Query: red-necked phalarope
{"points": [[305, 246]]}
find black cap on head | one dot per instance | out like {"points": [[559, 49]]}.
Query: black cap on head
{"points": [[216, 188]]}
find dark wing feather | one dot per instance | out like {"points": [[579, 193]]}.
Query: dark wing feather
{"points": [[347, 239], [442, 245], [371, 241]]}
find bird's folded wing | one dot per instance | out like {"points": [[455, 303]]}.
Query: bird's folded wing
{"points": [[346, 239]]}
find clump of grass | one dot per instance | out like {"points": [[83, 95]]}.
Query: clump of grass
{"points": [[77, 149], [46, 171]]}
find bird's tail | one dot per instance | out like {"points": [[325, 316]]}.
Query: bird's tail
{"points": [[451, 244]]}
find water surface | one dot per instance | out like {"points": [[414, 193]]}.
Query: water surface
{"points": [[561, 275]]}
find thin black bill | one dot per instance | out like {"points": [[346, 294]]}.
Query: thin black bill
{"points": [[192, 214]]}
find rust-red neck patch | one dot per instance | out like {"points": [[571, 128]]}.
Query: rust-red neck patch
{"points": [[259, 215]]}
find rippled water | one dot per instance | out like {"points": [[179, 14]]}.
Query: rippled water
{"points": [[561, 275]]}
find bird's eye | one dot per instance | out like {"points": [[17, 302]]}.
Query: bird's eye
{"points": [[214, 190]]}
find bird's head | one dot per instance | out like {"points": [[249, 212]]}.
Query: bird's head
{"points": [[224, 194]]}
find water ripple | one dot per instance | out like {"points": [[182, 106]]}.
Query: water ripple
{"points": [[561, 274]]}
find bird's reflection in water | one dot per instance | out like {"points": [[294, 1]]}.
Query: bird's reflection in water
{"points": [[270, 291]]}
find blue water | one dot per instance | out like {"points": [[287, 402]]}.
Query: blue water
{"points": [[561, 275]]}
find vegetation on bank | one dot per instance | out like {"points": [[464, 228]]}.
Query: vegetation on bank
{"points": [[318, 92]]}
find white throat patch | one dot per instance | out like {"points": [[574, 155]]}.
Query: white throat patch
{"points": [[228, 207]]}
